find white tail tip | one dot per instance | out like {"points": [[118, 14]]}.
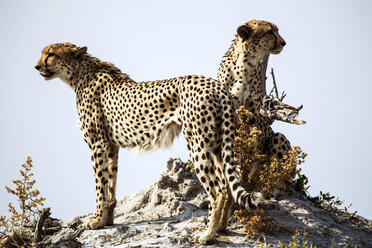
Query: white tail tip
{"points": [[257, 198]]}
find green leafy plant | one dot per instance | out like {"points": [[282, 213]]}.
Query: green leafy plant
{"points": [[300, 184], [326, 198]]}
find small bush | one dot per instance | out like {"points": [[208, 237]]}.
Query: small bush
{"points": [[326, 199], [27, 211], [271, 174], [257, 222], [261, 173]]}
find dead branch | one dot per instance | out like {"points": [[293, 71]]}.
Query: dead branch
{"points": [[18, 237], [273, 107], [274, 83], [44, 214]]}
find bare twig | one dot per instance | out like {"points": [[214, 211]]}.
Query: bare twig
{"points": [[282, 97], [274, 83]]}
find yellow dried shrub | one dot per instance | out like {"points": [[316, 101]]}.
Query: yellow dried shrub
{"points": [[257, 222], [29, 202], [271, 174]]}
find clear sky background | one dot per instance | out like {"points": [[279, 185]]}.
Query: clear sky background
{"points": [[326, 66]]}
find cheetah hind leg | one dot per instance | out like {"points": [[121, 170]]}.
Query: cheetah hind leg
{"points": [[279, 146], [214, 217], [222, 227], [227, 199], [203, 171], [113, 169]]}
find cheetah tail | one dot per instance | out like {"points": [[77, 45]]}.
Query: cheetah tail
{"points": [[240, 195]]}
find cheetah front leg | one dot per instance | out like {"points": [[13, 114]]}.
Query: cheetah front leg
{"points": [[100, 157]]}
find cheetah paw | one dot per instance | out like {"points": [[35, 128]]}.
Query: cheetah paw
{"points": [[202, 239], [94, 224], [222, 229]]}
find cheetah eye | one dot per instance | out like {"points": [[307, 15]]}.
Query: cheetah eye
{"points": [[51, 54]]}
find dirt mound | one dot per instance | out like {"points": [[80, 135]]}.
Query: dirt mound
{"points": [[176, 188], [171, 211]]}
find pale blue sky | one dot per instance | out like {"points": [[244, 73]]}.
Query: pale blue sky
{"points": [[326, 66]]}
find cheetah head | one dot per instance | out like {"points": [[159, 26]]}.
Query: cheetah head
{"points": [[59, 61], [259, 38]]}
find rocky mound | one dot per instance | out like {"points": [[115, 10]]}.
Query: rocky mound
{"points": [[169, 212]]}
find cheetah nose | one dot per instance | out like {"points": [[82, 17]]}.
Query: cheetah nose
{"points": [[283, 43], [37, 67]]}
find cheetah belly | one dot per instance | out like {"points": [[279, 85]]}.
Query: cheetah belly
{"points": [[142, 132]]}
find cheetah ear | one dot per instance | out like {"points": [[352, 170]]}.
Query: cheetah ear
{"points": [[244, 32], [80, 51]]}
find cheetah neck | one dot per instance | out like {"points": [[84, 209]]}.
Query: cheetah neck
{"points": [[87, 67], [245, 72], [79, 69], [71, 81], [245, 58]]}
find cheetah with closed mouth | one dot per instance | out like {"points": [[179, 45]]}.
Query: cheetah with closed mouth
{"points": [[114, 111], [240, 72]]}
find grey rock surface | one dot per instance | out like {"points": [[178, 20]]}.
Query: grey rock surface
{"points": [[172, 210]]}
